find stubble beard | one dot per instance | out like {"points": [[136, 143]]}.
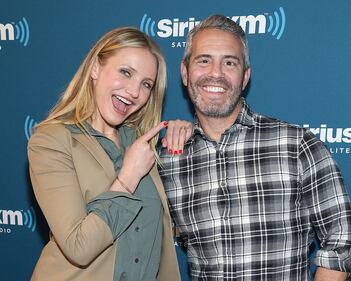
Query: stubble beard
{"points": [[215, 109]]}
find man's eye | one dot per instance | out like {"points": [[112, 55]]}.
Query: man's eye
{"points": [[230, 63], [202, 61]]}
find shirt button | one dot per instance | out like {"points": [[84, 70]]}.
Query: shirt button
{"points": [[137, 229], [136, 260], [223, 184]]}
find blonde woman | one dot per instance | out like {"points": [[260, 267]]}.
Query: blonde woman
{"points": [[92, 166]]}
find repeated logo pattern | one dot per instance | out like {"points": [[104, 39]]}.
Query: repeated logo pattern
{"points": [[273, 24]]}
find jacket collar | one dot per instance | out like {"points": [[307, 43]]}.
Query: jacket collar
{"points": [[92, 146]]}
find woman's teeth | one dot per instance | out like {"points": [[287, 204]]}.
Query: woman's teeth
{"points": [[123, 100]]}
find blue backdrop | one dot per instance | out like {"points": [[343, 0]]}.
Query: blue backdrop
{"points": [[300, 58]]}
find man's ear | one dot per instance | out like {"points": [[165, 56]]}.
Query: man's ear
{"points": [[184, 73], [246, 77], [95, 70]]}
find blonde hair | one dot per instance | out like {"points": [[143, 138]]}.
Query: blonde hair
{"points": [[77, 103]]}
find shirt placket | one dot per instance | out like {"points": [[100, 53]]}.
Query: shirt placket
{"points": [[220, 206]]}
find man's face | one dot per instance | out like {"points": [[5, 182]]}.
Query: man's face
{"points": [[215, 76]]}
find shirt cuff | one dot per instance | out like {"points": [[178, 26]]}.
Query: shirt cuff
{"points": [[338, 259], [117, 209]]}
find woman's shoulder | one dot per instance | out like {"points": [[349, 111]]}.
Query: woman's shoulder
{"points": [[50, 133], [50, 128]]}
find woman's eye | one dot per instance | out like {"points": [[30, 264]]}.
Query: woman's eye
{"points": [[148, 85], [125, 72]]}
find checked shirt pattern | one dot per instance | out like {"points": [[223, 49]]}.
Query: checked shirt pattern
{"points": [[251, 205]]}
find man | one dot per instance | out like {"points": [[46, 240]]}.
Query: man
{"points": [[250, 193]]}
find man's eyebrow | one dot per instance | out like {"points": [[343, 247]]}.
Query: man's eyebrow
{"points": [[202, 56], [232, 57]]}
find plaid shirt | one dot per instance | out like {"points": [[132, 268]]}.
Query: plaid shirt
{"points": [[251, 205]]}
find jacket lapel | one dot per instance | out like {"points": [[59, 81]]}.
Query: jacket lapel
{"points": [[95, 149], [92, 145], [159, 186]]}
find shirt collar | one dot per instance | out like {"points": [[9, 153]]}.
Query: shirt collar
{"points": [[246, 117], [77, 129]]}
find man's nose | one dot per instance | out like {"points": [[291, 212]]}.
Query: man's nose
{"points": [[216, 69]]}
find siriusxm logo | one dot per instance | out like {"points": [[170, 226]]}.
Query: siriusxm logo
{"points": [[17, 217], [331, 135], [15, 31], [29, 124], [265, 23]]}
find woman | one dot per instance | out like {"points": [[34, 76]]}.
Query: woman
{"points": [[93, 173]]}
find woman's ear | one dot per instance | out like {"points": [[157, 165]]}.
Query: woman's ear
{"points": [[95, 70]]}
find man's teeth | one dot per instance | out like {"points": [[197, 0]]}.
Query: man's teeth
{"points": [[123, 100], [214, 89]]}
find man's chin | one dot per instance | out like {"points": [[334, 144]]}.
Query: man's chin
{"points": [[215, 112]]}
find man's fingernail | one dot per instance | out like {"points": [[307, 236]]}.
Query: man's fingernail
{"points": [[175, 152], [170, 151], [180, 151], [165, 123]]}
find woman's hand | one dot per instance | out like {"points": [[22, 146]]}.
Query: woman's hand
{"points": [[137, 162], [178, 132]]}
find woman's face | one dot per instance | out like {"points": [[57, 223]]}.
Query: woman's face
{"points": [[122, 85]]}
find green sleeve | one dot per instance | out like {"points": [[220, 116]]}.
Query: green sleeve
{"points": [[117, 209]]}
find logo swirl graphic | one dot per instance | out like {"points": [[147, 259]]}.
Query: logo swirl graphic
{"points": [[277, 23]]}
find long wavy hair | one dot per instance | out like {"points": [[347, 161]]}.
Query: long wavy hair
{"points": [[77, 103]]}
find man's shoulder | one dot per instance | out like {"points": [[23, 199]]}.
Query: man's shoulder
{"points": [[266, 122]]}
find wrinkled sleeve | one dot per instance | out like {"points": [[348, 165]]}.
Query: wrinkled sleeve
{"points": [[117, 209], [328, 202]]}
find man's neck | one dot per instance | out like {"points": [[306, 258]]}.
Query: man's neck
{"points": [[215, 127]]}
